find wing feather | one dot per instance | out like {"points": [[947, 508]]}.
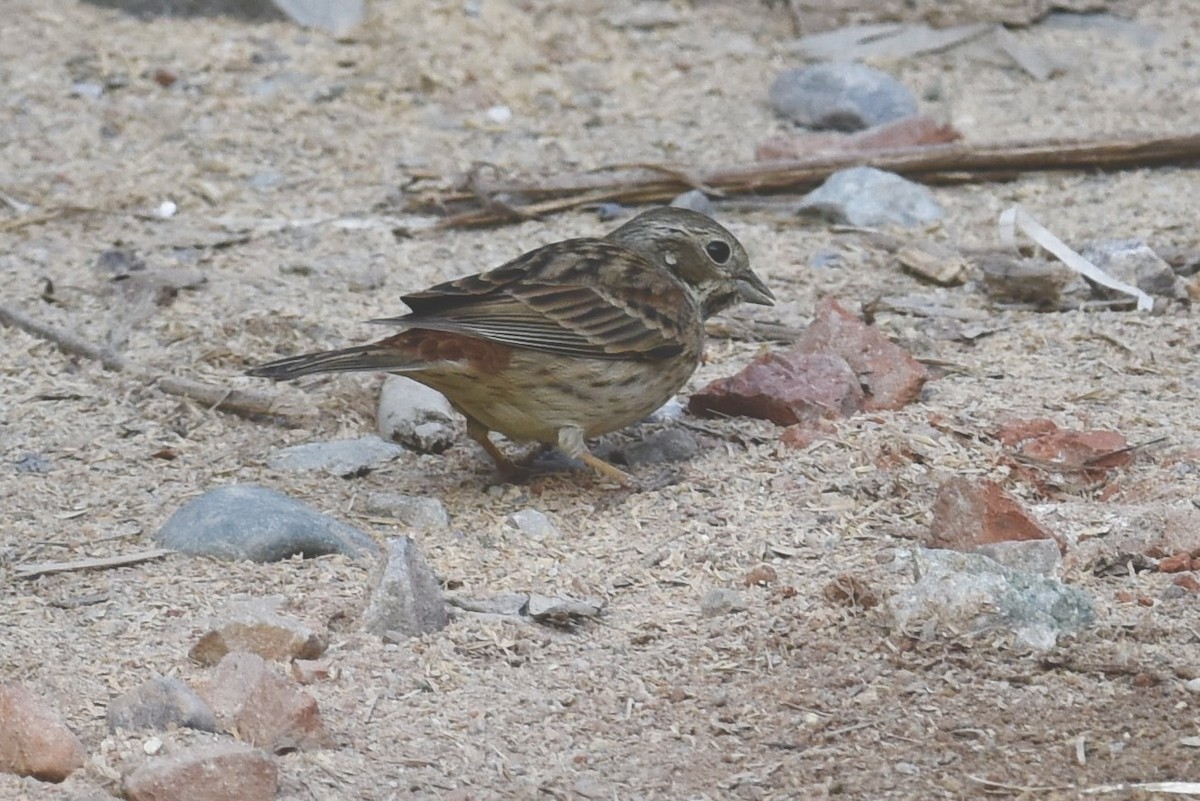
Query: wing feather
{"points": [[583, 297]]}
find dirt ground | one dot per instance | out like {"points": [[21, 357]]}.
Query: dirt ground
{"points": [[280, 149]]}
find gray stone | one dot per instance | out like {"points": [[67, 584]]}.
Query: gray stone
{"points": [[158, 705], [1040, 557], [407, 600], [532, 524], [343, 457], [1135, 263], [694, 200], [415, 415], [338, 17], [417, 511], [968, 592], [842, 96], [721, 601], [259, 524], [868, 198], [668, 445]]}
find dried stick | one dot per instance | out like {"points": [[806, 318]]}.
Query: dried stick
{"points": [[236, 401], [35, 569], [932, 164]]}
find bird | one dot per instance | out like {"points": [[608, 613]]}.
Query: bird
{"points": [[566, 342]]}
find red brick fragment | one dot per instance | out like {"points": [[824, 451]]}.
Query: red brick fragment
{"points": [[967, 514]]}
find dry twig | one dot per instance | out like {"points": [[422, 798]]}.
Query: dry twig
{"points": [[936, 164], [35, 569], [236, 401]]}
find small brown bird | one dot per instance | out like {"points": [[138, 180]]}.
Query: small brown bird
{"points": [[569, 341]]}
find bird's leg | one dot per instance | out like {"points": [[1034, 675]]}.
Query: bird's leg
{"points": [[570, 442], [508, 470]]}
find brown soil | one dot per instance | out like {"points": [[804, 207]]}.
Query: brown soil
{"points": [[278, 146]]}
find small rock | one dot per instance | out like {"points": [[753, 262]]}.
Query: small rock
{"points": [[1041, 557], [119, 263], [1193, 686], [1090, 454], [417, 511], [337, 17], [1135, 263], [158, 705], [967, 592], [407, 599], [264, 708], [1008, 278], [841, 96], [968, 514], [32, 462], [415, 415], [849, 590], [668, 445], [259, 524], [221, 772], [500, 115], [644, 16], [310, 671], [785, 387], [344, 458], [561, 611], [33, 741], [721, 601], [696, 201], [760, 575], [532, 524], [1175, 563], [887, 373], [1186, 582], [870, 198], [256, 627]]}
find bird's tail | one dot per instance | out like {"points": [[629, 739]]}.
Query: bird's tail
{"points": [[363, 357]]}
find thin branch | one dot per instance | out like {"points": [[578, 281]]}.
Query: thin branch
{"points": [[35, 569], [931, 164], [246, 403]]}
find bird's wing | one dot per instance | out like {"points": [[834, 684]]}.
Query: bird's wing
{"points": [[583, 297]]}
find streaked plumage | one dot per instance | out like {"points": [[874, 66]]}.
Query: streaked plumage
{"points": [[569, 341]]}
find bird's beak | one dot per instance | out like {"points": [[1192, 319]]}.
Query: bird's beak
{"points": [[751, 289]]}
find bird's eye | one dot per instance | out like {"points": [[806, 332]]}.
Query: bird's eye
{"points": [[719, 251]]}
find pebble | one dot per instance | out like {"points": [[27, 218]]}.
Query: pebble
{"points": [[970, 513], [263, 707], [1136, 263], [1193, 686], [967, 592], [255, 626], [417, 511], [533, 524], [721, 601], [407, 600], [869, 198], [668, 445], [696, 201], [159, 704], [1041, 557], [840, 96], [337, 17], [33, 740], [220, 772], [344, 457], [415, 415], [243, 521]]}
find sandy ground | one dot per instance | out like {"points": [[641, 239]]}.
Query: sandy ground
{"points": [[270, 135]]}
